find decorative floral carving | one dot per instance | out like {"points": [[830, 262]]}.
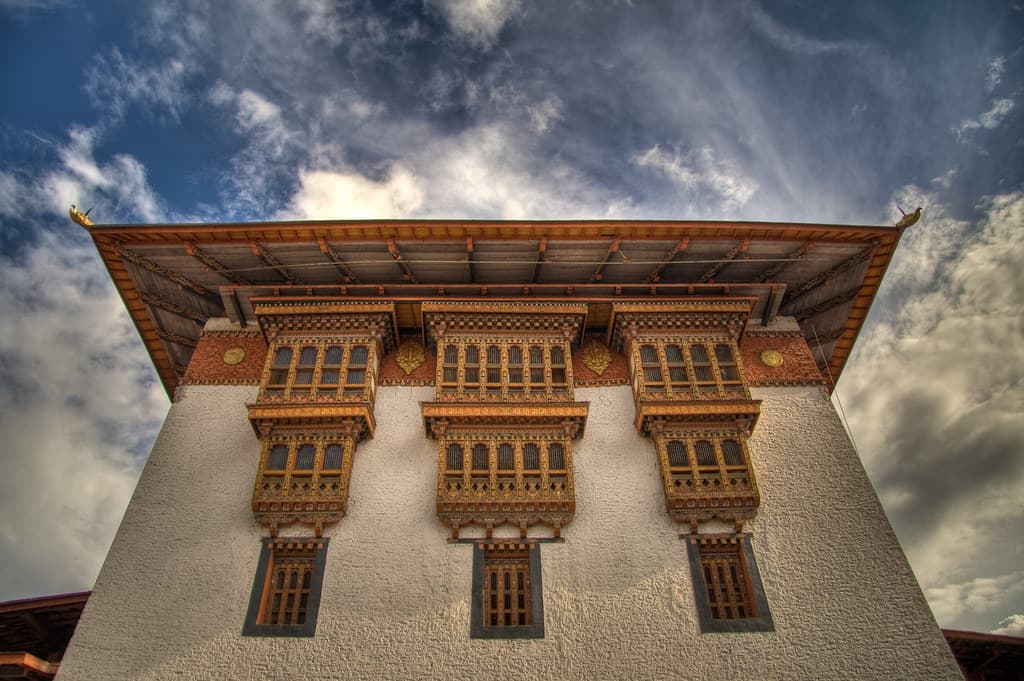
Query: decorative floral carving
{"points": [[596, 357], [409, 356]]}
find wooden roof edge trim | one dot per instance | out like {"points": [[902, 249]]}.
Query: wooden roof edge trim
{"points": [[272, 231], [139, 313], [845, 343], [30, 661], [45, 601], [952, 635]]}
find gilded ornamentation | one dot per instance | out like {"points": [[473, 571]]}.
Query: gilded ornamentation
{"points": [[410, 356], [596, 357], [771, 358], [234, 356]]}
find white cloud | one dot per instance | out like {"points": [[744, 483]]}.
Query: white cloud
{"points": [[995, 73], [478, 21], [1011, 626], [114, 82], [988, 120], [345, 194], [942, 441], [545, 113], [705, 179], [950, 601]]}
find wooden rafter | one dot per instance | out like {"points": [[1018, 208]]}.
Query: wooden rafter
{"points": [[147, 264], [655, 276], [612, 249], [266, 256], [725, 260], [180, 310], [175, 338], [826, 305], [202, 256], [803, 289], [542, 252], [798, 254], [824, 338], [397, 255], [337, 261], [469, 258]]}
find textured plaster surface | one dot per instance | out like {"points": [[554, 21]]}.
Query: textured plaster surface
{"points": [[618, 599]]}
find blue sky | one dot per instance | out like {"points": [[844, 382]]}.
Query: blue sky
{"points": [[179, 110]]}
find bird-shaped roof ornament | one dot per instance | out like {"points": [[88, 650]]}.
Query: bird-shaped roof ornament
{"points": [[908, 218], [80, 217]]}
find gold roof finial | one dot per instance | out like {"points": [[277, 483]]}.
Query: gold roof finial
{"points": [[908, 218], [80, 217]]}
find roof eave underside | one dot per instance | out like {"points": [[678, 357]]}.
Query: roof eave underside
{"points": [[172, 277]]}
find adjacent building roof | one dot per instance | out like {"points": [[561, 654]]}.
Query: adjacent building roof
{"points": [[34, 632], [988, 657], [174, 277]]}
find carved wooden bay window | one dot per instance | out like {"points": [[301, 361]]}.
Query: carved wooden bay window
{"points": [[303, 477], [504, 414], [693, 401], [706, 474], [491, 478], [315, 404], [497, 368]]}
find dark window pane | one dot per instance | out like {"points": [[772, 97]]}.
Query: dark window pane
{"points": [[652, 374], [515, 354], [307, 357], [332, 457], [472, 375], [673, 353], [677, 374], [359, 355], [451, 354], [705, 453], [537, 376], [278, 458], [329, 377], [531, 457], [723, 353], [557, 355], [677, 454], [493, 354], [699, 353], [472, 354], [732, 452], [536, 354], [480, 457], [278, 376], [356, 376], [283, 357], [454, 457], [506, 457], [648, 355], [304, 458], [303, 377], [333, 355], [556, 457]]}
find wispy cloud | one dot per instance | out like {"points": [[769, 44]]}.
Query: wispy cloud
{"points": [[706, 180], [988, 120], [478, 21], [1011, 626], [942, 441], [995, 73]]}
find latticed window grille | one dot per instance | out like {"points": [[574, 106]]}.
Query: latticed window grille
{"points": [[288, 595], [472, 367], [454, 457], [507, 596], [332, 457], [556, 456], [304, 458], [481, 458], [677, 454], [727, 581], [732, 452], [278, 377], [277, 460], [531, 457], [286, 589], [506, 457], [302, 371]]}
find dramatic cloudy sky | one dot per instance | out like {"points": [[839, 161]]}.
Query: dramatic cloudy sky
{"points": [[177, 110]]}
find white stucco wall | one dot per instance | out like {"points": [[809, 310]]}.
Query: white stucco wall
{"points": [[618, 600]]}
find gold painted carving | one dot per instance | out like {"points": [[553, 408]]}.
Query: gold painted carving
{"points": [[234, 356], [596, 357], [771, 358], [410, 356]]}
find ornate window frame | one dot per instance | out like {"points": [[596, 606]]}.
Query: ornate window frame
{"points": [[489, 596], [308, 368], [489, 367], [689, 367], [305, 554], [733, 554]]}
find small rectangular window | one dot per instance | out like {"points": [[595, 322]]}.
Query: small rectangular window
{"points": [[507, 600], [285, 599], [727, 585]]}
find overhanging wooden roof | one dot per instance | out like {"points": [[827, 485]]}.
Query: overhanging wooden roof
{"points": [[173, 277]]}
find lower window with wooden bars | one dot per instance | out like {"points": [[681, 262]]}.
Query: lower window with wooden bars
{"points": [[285, 596], [507, 599], [727, 585]]}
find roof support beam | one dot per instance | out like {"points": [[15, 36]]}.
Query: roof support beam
{"points": [[798, 254], [469, 258], [202, 256], [266, 256], [824, 338], [336, 260], [175, 338], [655, 276], [612, 249], [542, 252], [741, 247], [803, 289], [826, 305], [396, 254], [147, 264], [180, 310]]}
